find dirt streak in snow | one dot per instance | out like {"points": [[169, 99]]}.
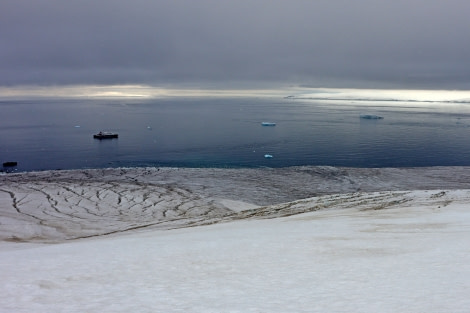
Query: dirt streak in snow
{"points": [[62, 205]]}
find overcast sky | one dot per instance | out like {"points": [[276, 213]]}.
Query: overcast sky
{"points": [[321, 43]]}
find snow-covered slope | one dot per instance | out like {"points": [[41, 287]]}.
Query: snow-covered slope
{"points": [[379, 248], [411, 258], [58, 205]]}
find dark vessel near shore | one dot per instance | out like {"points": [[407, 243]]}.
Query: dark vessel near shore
{"points": [[10, 164], [105, 135]]}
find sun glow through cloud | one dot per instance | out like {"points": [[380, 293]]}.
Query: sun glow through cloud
{"points": [[132, 91], [296, 93], [386, 95]]}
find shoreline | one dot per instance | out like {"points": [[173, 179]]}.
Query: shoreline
{"points": [[310, 180]]}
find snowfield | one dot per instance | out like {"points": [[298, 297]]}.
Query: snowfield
{"points": [[303, 239]]}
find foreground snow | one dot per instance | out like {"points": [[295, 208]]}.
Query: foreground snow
{"points": [[414, 259], [382, 251]]}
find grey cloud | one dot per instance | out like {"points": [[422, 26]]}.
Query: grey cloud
{"points": [[337, 42]]}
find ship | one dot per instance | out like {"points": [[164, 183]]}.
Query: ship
{"points": [[105, 135]]}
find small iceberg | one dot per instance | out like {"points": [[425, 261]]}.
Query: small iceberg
{"points": [[268, 124], [371, 117], [268, 156]]}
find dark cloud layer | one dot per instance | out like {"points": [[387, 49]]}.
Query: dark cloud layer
{"points": [[401, 43]]}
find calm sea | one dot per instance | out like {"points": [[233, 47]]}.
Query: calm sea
{"points": [[227, 132]]}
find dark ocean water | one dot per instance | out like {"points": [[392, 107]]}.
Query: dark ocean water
{"points": [[227, 132]]}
